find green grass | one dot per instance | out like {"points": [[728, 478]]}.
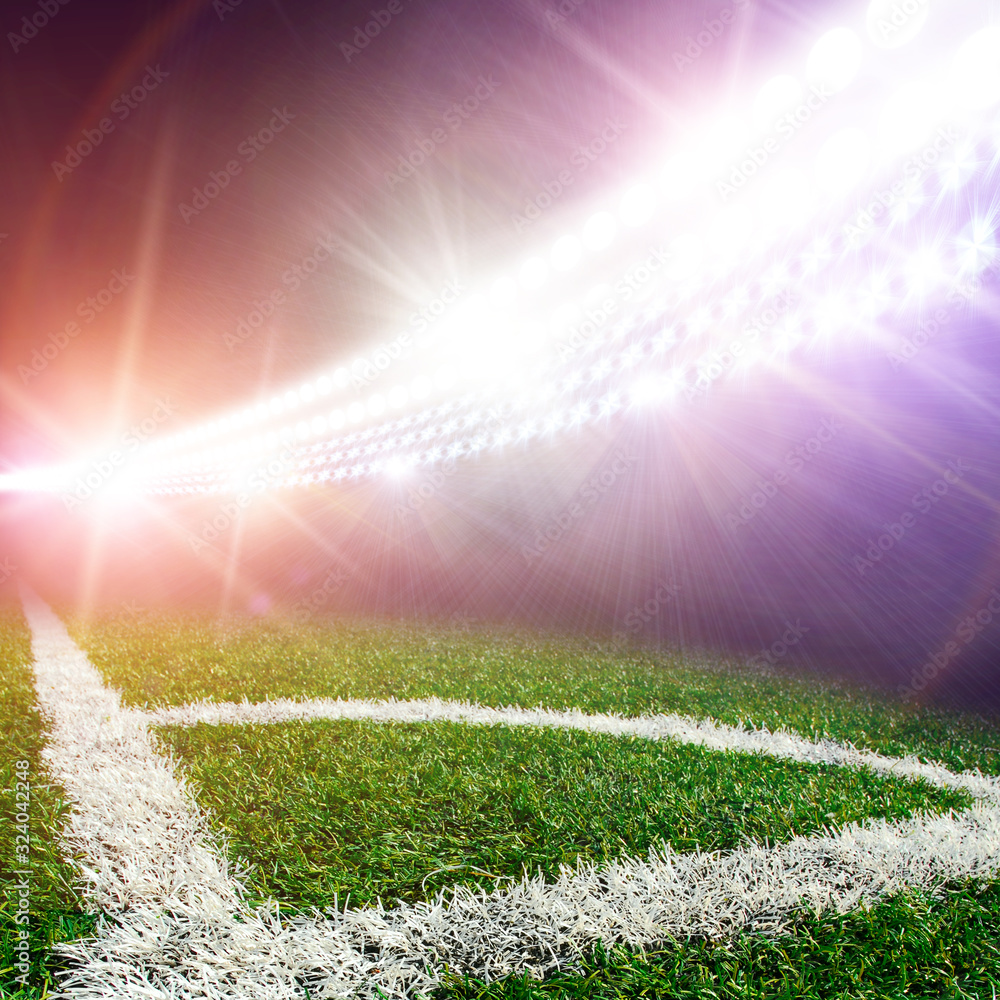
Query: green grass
{"points": [[372, 809], [337, 808], [171, 660], [910, 946], [54, 913]]}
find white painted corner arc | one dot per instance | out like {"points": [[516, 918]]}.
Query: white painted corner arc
{"points": [[183, 925]]}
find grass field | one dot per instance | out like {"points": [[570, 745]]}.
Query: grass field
{"points": [[329, 809]]}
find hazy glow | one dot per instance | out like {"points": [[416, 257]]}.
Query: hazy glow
{"points": [[723, 268], [910, 116], [976, 70], [777, 96], [637, 205], [843, 161], [835, 60], [680, 175], [786, 198], [599, 231], [533, 273], [893, 23], [565, 253]]}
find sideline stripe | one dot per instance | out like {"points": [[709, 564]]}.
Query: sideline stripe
{"points": [[704, 732], [142, 838], [182, 929]]}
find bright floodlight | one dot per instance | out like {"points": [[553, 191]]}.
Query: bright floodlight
{"points": [[909, 117], [637, 205], [729, 230], [843, 160], [892, 23], [599, 231], [686, 253], [648, 389], [444, 378], [533, 273], [565, 253], [835, 60], [924, 272], [779, 95], [502, 291], [976, 74], [680, 175], [977, 247], [786, 198]]}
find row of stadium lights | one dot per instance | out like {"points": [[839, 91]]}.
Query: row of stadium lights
{"points": [[835, 60], [537, 406], [554, 408]]}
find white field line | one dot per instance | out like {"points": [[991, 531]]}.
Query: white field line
{"points": [[704, 732], [134, 827], [182, 930]]}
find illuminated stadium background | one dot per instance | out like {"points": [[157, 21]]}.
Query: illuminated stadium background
{"points": [[671, 323]]}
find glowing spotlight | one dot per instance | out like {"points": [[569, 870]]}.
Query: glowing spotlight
{"points": [[730, 230], [637, 205], [681, 175], [599, 231], [924, 272], [397, 397], [835, 315], [341, 377], [910, 116], [503, 291], [444, 378], [337, 419], [958, 167], [786, 198], [565, 253], [893, 23], [355, 412], [291, 399], [533, 273], [843, 161], [685, 256], [977, 248], [835, 60], [976, 71], [779, 95], [376, 405]]}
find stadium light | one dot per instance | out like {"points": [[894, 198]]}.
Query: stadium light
{"points": [[507, 339]]}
